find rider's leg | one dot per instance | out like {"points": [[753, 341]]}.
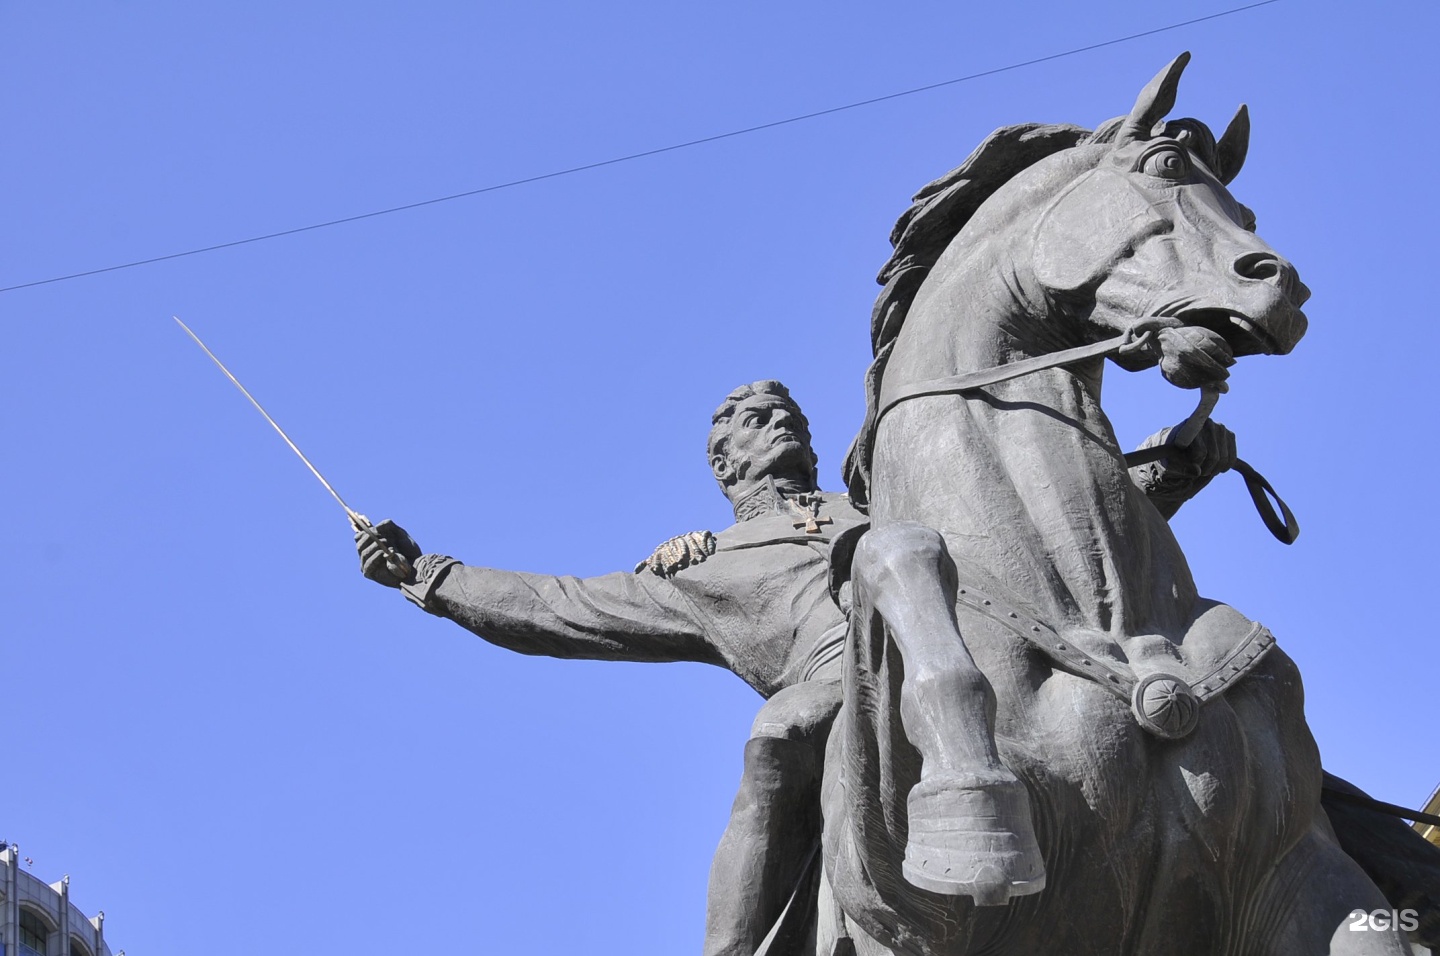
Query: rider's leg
{"points": [[971, 832], [775, 823]]}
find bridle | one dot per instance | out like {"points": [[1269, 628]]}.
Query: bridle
{"points": [[1138, 338]]}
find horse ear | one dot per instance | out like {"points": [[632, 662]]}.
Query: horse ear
{"points": [[1154, 102], [1230, 151]]}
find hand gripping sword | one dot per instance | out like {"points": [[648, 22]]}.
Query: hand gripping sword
{"points": [[398, 562]]}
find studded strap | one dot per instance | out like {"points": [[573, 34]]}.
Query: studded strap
{"points": [[1112, 676]]}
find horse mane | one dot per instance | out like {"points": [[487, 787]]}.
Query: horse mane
{"points": [[937, 214], [940, 209]]}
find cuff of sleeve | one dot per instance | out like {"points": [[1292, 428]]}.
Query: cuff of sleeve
{"points": [[1168, 486], [430, 570]]}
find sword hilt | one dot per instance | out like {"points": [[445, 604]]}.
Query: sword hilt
{"points": [[399, 564]]}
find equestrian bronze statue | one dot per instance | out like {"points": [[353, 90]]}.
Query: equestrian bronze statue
{"points": [[1000, 719], [768, 605]]}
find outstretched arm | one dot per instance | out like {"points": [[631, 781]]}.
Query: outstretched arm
{"points": [[616, 617], [1180, 476], [621, 617]]}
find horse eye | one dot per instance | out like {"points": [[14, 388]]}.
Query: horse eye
{"points": [[1166, 163]]}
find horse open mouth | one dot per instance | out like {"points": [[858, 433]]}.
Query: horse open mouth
{"points": [[1242, 335]]}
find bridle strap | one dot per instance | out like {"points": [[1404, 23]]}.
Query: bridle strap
{"points": [[968, 381], [1282, 524]]}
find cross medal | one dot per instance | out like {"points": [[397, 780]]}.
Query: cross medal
{"points": [[808, 508]]}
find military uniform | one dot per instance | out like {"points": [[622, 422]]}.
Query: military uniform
{"points": [[762, 599], [760, 604]]}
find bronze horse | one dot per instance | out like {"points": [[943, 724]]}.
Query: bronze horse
{"points": [[1051, 743]]}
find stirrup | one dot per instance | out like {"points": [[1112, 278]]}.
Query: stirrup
{"points": [[972, 835]]}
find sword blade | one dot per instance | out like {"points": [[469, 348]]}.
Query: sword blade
{"points": [[360, 522]]}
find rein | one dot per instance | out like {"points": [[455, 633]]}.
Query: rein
{"points": [[1282, 524], [968, 381]]}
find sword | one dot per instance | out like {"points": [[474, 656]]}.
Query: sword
{"points": [[398, 562]]}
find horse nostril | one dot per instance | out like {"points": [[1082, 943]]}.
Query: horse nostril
{"points": [[1268, 267], [1258, 265]]}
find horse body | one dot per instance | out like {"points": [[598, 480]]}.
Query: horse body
{"points": [[1212, 843]]}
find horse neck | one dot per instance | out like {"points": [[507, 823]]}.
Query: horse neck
{"points": [[1025, 480]]}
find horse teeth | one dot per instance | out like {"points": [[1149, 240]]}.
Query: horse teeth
{"points": [[1261, 337]]}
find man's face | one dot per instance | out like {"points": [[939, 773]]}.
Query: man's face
{"points": [[767, 437]]}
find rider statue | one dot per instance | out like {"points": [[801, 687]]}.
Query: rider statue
{"points": [[766, 598]]}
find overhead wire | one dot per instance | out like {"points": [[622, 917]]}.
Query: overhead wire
{"points": [[585, 167]]}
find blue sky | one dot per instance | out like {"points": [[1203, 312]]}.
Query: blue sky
{"points": [[231, 741]]}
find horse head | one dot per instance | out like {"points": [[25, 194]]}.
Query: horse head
{"points": [[1053, 236], [1150, 230]]}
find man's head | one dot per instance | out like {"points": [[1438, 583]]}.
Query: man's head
{"points": [[759, 432]]}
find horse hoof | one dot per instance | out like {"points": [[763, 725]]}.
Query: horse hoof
{"points": [[987, 890], [971, 835]]}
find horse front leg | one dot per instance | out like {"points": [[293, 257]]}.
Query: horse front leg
{"points": [[970, 827]]}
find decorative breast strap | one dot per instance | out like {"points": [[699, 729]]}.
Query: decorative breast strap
{"points": [[1163, 704]]}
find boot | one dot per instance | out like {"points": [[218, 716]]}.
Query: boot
{"points": [[773, 827]]}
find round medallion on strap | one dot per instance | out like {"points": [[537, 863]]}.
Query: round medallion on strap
{"points": [[1166, 706]]}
